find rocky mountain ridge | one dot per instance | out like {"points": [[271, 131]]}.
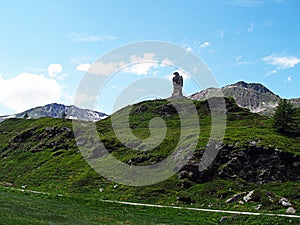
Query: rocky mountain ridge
{"points": [[56, 110], [253, 96]]}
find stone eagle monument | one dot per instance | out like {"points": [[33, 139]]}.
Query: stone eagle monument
{"points": [[177, 85]]}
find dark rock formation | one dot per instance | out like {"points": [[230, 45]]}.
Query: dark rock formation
{"points": [[252, 164], [253, 96]]}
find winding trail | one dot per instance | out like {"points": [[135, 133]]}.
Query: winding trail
{"points": [[176, 207], [204, 210]]}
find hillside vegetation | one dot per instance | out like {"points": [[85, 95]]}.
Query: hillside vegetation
{"points": [[41, 154]]}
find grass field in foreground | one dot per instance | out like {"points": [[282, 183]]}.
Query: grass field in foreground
{"points": [[26, 208]]}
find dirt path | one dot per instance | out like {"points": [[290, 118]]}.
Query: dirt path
{"points": [[177, 207]]}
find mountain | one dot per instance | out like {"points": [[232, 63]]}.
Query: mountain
{"points": [[253, 96], [56, 110]]}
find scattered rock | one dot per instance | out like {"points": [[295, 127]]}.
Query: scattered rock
{"points": [[7, 184], [252, 196], [284, 202], [223, 218], [258, 207], [290, 210], [296, 164], [235, 197]]}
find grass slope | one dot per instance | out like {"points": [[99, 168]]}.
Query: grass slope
{"points": [[23, 209], [42, 154]]}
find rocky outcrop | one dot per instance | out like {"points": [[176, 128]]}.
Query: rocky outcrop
{"points": [[250, 163], [253, 96], [54, 138]]}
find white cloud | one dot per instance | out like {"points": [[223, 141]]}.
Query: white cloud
{"points": [[104, 69], [282, 62], [166, 62], [84, 37], [28, 90], [289, 79], [141, 68], [141, 65], [205, 44], [138, 65], [251, 28], [54, 70], [83, 67]]}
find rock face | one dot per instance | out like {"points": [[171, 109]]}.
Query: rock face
{"points": [[253, 96], [252, 164], [58, 111]]}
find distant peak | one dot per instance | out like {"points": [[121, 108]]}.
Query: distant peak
{"points": [[254, 86]]}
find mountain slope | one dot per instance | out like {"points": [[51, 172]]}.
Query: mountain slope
{"points": [[55, 110], [43, 155], [253, 96]]}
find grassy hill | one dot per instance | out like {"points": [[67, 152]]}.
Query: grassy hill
{"points": [[41, 154]]}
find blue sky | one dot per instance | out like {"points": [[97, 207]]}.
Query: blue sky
{"points": [[47, 46]]}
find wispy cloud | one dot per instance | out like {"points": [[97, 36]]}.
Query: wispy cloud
{"points": [[238, 58], [84, 37], [251, 3], [205, 44], [280, 62], [239, 61], [246, 3], [221, 34]]}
